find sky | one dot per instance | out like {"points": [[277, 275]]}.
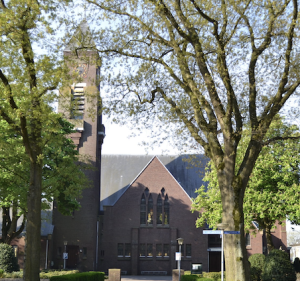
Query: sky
{"points": [[117, 141]]}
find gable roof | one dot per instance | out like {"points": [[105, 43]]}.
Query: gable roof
{"points": [[119, 171]]}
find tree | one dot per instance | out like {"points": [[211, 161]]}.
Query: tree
{"points": [[63, 177], [204, 68], [273, 188], [26, 83]]}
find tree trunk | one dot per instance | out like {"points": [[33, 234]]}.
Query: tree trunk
{"points": [[236, 258], [33, 227], [270, 245]]}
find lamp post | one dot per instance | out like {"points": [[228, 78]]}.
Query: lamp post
{"points": [[222, 226], [49, 236], [65, 243], [180, 242]]}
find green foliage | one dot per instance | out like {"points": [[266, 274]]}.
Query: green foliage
{"points": [[213, 275], [194, 277], [297, 265], [273, 187], [257, 262], [84, 276], [278, 267], [47, 274], [8, 261], [1, 273]]}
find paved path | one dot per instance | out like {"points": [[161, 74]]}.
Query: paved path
{"points": [[123, 278], [145, 278]]}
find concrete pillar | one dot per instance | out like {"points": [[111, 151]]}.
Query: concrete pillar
{"points": [[114, 274], [175, 274]]}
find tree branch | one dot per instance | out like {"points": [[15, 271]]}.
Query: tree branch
{"points": [[279, 138]]}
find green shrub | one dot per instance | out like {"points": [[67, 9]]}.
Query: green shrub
{"points": [[8, 261], [278, 267], [213, 275], [195, 277], [297, 265], [257, 262], [47, 274], [1, 273], [191, 277], [84, 276]]}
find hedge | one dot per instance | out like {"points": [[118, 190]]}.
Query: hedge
{"points": [[84, 276], [194, 277]]}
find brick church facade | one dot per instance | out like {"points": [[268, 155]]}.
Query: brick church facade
{"points": [[141, 229]]}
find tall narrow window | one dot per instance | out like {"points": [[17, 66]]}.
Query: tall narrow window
{"points": [[84, 252], [159, 212], [150, 210], [166, 250], [149, 250], [120, 249], [166, 210], [127, 249], [142, 250], [159, 250], [188, 250], [143, 210]]}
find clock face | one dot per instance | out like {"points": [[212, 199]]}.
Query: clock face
{"points": [[81, 70]]}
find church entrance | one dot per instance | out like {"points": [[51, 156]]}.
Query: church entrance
{"points": [[214, 261], [73, 254]]}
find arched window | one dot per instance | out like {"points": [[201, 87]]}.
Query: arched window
{"points": [[159, 213], [143, 210], [166, 210], [150, 210]]}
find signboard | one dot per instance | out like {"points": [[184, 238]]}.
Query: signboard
{"points": [[178, 256], [65, 256], [196, 268], [231, 232], [212, 231]]}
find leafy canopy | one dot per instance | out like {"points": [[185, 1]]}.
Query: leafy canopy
{"points": [[273, 189]]}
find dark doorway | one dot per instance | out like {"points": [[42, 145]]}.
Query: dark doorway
{"points": [[214, 261], [73, 252]]}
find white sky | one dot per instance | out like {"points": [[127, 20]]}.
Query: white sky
{"points": [[117, 141]]}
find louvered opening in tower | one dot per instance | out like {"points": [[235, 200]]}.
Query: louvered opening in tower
{"points": [[78, 101]]}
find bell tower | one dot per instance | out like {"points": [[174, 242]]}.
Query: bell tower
{"points": [[77, 235]]}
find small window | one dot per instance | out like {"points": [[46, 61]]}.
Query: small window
{"points": [[166, 250], [84, 251], [166, 211], [159, 212], [142, 250], [150, 210], [143, 210], [120, 249], [59, 252], [159, 250], [188, 250], [149, 250], [127, 250]]}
